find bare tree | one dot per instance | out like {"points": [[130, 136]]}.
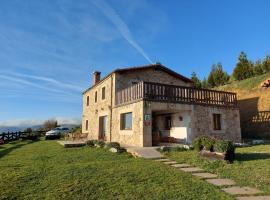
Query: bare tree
{"points": [[49, 124]]}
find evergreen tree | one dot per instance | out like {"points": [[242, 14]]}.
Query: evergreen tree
{"points": [[196, 80], [258, 68], [243, 68], [266, 64], [204, 83], [217, 76]]}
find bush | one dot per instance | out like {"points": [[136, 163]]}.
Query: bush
{"points": [[176, 148], [112, 145], [207, 143], [226, 147], [197, 144], [203, 142], [100, 144], [91, 143]]}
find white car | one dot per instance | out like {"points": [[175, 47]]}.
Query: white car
{"points": [[56, 132]]}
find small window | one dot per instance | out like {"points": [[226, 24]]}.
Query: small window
{"points": [[103, 93], [126, 121], [168, 122], [217, 121], [86, 125], [95, 96], [87, 101]]}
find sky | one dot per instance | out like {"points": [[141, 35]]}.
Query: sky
{"points": [[49, 48]]}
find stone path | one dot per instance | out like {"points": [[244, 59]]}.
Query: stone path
{"points": [[144, 152], [226, 185]]}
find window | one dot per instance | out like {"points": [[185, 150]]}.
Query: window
{"points": [[87, 101], [168, 122], [217, 121], [95, 96], [126, 121], [86, 125], [103, 93]]}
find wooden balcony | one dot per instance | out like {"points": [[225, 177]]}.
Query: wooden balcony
{"points": [[175, 94]]}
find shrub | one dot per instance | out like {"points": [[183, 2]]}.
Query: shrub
{"points": [[100, 144], [197, 144], [203, 142], [91, 143], [207, 143], [112, 145], [226, 147]]}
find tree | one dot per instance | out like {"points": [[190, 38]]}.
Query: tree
{"points": [[49, 124], [217, 76], [243, 68], [196, 80], [204, 83], [266, 64], [258, 68]]}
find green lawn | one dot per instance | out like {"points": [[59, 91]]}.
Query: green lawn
{"points": [[251, 168], [45, 170]]}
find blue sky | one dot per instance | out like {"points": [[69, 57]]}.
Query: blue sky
{"points": [[50, 48]]}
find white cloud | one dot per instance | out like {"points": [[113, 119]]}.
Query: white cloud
{"points": [[35, 122], [111, 14]]}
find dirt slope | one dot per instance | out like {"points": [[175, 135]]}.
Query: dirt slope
{"points": [[254, 105]]}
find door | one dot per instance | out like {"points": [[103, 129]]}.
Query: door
{"points": [[103, 128]]}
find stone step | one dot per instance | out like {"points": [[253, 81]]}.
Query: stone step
{"points": [[254, 198], [170, 162], [181, 165], [221, 181], [205, 175], [236, 190], [191, 169], [163, 160]]}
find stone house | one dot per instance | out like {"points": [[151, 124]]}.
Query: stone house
{"points": [[149, 105]]}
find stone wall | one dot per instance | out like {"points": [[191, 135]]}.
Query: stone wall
{"points": [[132, 137], [202, 122], [125, 79], [95, 110]]}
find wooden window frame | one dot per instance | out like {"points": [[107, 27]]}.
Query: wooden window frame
{"points": [[86, 125], [103, 93], [217, 122], [168, 122], [123, 121], [87, 101], [96, 96]]}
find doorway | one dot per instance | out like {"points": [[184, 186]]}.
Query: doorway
{"points": [[103, 128]]}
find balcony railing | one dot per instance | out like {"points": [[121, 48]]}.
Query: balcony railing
{"points": [[175, 94]]}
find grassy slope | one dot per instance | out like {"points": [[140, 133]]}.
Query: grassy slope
{"points": [[251, 167], [245, 85], [45, 170]]}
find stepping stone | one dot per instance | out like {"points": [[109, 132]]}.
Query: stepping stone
{"points": [[191, 169], [163, 160], [205, 175], [254, 198], [241, 190], [170, 162], [181, 165], [221, 181]]}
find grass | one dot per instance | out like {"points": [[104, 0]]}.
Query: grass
{"points": [[247, 84], [251, 167], [45, 170]]}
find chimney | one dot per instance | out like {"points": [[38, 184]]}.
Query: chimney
{"points": [[96, 77]]}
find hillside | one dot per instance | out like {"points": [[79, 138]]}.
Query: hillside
{"points": [[254, 105]]}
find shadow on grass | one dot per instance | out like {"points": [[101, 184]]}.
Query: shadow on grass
{"points": [[251, 156], [16, 146]]}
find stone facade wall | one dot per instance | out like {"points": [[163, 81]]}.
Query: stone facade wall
{"points": [[94, 111], [202, 122], [125, 79], [132, 137]]}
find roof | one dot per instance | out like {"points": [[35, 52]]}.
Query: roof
{"points": [[156, 66]]}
